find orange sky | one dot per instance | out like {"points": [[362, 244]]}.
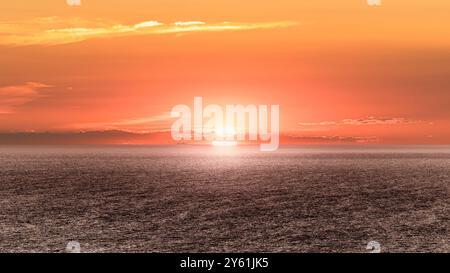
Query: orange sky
{"points": [[340, 70]]}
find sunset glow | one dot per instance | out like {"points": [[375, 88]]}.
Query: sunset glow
{"points": [[341, 71], [224, 143]]}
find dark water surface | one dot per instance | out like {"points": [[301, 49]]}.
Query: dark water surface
{"points": [[205, 199]]}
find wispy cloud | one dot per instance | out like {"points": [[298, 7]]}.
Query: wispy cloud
{"points": [[154, 123], [147, 24], [73, 2], [189, 23], [57, 30], [16, 95], [362, 121], [334, 139], [374, 3]]}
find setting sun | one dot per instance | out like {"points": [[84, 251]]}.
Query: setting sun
{"points": [[224, 143], [223, 135]]}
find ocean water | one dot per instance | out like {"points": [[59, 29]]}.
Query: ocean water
{"points": [[208, 199]]}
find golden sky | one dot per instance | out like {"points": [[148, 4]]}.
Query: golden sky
{"points": [[340, 70]]}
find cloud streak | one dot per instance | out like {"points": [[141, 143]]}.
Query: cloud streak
{"points": [[334, 139], [155, 123], [16, 95], [56, 30], [361, 122]]}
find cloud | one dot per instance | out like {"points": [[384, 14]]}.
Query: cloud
{"points": [[56, 30], [361, 121], [333, 139], [147, 24], [73, 2], [155, 123], [190, 23], [16, 95], [374, 3]]}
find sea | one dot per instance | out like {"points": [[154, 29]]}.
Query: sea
{"points": [[187, 198]]}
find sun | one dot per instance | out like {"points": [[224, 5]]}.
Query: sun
{"points": [[223, 136], [224, 143], [225, 132]]}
